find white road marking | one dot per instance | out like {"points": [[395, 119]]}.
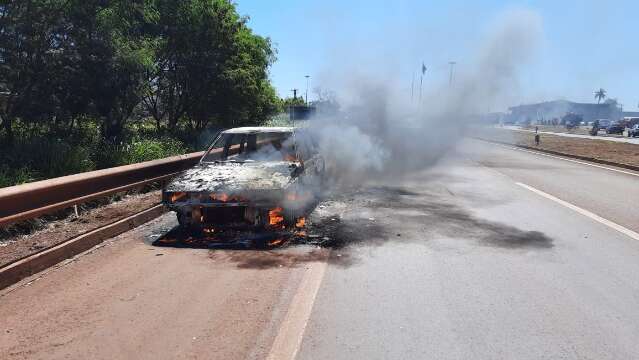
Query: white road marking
{"points": [[289, 338], [565, 159], [584, 212]]}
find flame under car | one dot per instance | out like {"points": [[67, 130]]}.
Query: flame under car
{"points": [[249, 179]]}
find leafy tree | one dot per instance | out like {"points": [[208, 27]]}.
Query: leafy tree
{"points": [[113, 52], [209, 66], [29, 59], [191, 60], [600, 95], [289, 101]]}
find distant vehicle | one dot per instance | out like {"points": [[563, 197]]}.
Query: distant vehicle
{"points": [[634, 131], [571, 120], [631, 120], [615, 128], [603, 123]]}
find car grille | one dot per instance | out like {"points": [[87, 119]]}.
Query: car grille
{"points": [[226, 215]]}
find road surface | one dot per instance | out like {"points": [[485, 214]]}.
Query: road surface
{"points": [[495, 253]]}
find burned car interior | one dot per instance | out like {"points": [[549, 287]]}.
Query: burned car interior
{"points": [[250, 180]]}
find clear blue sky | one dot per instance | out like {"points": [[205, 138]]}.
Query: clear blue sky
{"points": [[586, 44]]}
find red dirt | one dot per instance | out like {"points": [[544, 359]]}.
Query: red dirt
{"points": [[616, 152], [59, 231]]}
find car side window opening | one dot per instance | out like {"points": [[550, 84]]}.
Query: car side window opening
{"points": [[269, 146], [234, 147]]}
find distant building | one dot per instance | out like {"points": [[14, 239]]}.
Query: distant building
{"points": [[535, 113]]}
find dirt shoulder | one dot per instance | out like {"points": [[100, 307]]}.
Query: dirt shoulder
{"points": [[579, 130], [598, 150], [59, 231]]}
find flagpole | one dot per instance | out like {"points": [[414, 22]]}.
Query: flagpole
{"points": [[421, 82], [412, 87]]}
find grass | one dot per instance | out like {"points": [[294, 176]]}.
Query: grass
{"points": [[616, 152], [40, 153]]}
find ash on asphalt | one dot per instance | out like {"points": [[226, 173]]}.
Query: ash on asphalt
{"points": [[377, 215], [373, 216]]}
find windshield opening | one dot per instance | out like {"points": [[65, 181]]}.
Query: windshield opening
{"points": [[270, 146]]}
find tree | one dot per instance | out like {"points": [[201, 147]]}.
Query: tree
{"points": [[289, 101], [60, 59], [113, 50], [236, 91], [209, 67], [190, 60], [30, 57], [600, 95]]}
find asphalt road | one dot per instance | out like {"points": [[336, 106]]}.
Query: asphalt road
{"points": [[494, 254]]}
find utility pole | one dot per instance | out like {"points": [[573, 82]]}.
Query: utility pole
{"points": [[412, 87], [452, 65], [421, 82], [307, 77], [294, 93]]}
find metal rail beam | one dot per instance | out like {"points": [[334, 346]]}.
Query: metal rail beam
{"points": [[30, 200]]}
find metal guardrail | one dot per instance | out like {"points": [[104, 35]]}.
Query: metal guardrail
{"points": [[31, 200]]}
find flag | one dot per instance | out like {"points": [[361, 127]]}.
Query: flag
{"points": [[423, 69]]}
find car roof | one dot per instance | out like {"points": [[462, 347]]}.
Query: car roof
{"points": [[259, 129]]}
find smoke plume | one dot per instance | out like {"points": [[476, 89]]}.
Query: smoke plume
{"points": [[379, 132]]}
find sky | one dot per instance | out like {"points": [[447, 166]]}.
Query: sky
{"points": [[585, 45]]}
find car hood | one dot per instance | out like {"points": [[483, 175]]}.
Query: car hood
{"points": [[234, 177]]}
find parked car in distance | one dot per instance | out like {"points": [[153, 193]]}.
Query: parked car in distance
{"points": [[634, 131], [603, 123], [615, 128]]}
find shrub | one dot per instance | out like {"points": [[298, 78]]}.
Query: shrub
{"points": [[10, 177], [151, 149]]}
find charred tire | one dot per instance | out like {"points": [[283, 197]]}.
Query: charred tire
{"points": [[261, 244], [181, 220], [187, 228]]}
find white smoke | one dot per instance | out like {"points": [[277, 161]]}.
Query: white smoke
{"points": [[380, 133]]}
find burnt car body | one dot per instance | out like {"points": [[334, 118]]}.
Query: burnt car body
{"points": [[252, 178]]}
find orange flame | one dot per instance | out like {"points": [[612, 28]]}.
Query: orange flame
{"points": [[276, 242], [177, 196], [275, 217]]}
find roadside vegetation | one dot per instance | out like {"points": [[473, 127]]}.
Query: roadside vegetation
{"points": [[88, 84], [623, 154]]}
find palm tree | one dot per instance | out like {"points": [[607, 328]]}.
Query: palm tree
{"points": [[600, 95]]}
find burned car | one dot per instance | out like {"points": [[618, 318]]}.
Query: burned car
{"points": [[250, 178]]}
